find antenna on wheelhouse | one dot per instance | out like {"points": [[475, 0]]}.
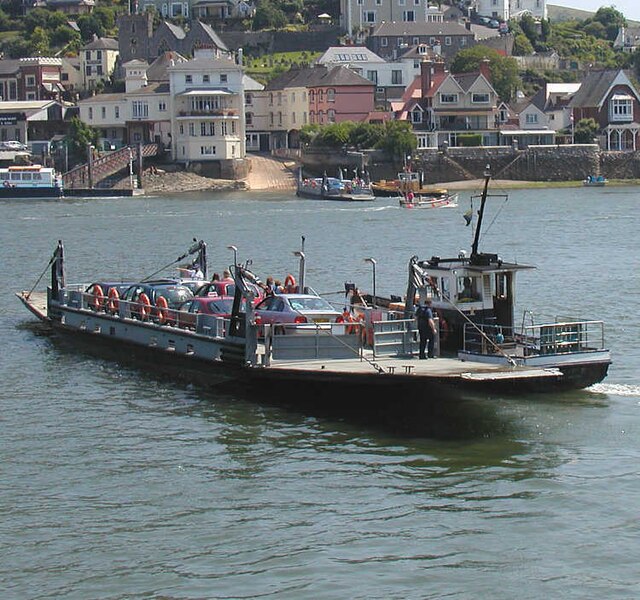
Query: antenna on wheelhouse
{"points": [[476, 239]]}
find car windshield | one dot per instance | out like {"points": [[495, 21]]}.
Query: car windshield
{"points": [[175, 294], [310, 304]]}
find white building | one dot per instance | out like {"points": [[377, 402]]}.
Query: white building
{"points": [[207, 109], [355, 15], [503, 10]]}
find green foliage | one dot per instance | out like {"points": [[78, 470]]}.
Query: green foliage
{"points": [[609, 19], [89, 26], [398, 140], [335, 135], [80, 136], [504, 70], [469, 139], [521, 45], [39, 42], [585, 131], [365, 135], [106, 16], [269, 16], [309, 132]]}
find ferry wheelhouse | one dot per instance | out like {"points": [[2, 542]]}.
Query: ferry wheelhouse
{"points": [[30, 181]]}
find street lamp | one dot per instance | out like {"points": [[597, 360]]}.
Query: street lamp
{"points": [[235, 254], [373, 262]]}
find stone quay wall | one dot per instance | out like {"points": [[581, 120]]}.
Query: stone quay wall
{"points": [[535, 163]]}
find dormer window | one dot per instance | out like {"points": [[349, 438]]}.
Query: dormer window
{"points": [[480, 98]]}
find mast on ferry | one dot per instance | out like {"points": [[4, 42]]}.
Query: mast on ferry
{"points": [[476, 239]]}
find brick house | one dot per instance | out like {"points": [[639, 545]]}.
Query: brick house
{"points": [[610, 98]]}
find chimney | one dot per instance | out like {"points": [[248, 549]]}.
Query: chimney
{"points": [[467, 24], [484, 69], [426, 72]]}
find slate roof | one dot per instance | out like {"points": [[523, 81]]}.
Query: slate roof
{"points": [[8, 66], [594, 88], [349, 54], [215, 38], [102, 44], [415, 28], [177, 31], [157, 71], [318, 76]]}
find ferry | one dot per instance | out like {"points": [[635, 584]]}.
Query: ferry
{"points": [[30, 181], [334, 188], [367, 352]]}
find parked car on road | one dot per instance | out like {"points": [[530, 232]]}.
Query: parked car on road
{"points": [[12, 145]]}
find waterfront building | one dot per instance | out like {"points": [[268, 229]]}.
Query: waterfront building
{"points": [[32, 78], [97, 61], [443, 106], [207, 110]]}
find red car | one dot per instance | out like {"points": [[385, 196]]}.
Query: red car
{"points": [[218, 306]]}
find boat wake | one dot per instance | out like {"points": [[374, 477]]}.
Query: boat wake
{"points": [[616, 389]]}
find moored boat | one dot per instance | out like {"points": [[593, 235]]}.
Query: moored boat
{"points": [[595, 181], [407, 181], [30, 181], [412, 200]]}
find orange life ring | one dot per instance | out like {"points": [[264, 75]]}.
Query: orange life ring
{"points": [[97, 302], [145, 306], [347, 317], [290, 284], [162, 307], [113, 304]]}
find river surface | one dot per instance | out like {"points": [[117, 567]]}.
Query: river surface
{"points": [[117, 483]]}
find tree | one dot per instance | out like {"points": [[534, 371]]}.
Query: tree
{"points": [[106, 16], [504, 70], [335, 135], [365, 135], [90, 26], [268, 16], [398, 140], [611, 19], [309, 132], [521, 45], [39, 42], [585, 131], [80, 136]]}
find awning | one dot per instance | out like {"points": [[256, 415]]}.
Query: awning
{"points": [[207, 92], [621, 97]]}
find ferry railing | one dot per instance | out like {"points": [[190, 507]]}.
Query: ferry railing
{"points": [[533, 340], [397, 337], [309, 341], [209, 325]]}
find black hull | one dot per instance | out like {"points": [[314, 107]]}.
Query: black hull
{"points": [[17, 193]]}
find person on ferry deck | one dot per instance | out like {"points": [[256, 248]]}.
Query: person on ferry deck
{"points": [[226, 277], [196, 272], [270, 286], [278, 287], [426, 329], [216, 277]]}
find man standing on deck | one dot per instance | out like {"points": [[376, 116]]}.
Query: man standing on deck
{"points": [[426, 329]]}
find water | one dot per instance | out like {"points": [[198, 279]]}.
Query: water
{"points": [[118, 483]]}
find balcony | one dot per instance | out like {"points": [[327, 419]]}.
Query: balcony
{"points": [[215, 113]]}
